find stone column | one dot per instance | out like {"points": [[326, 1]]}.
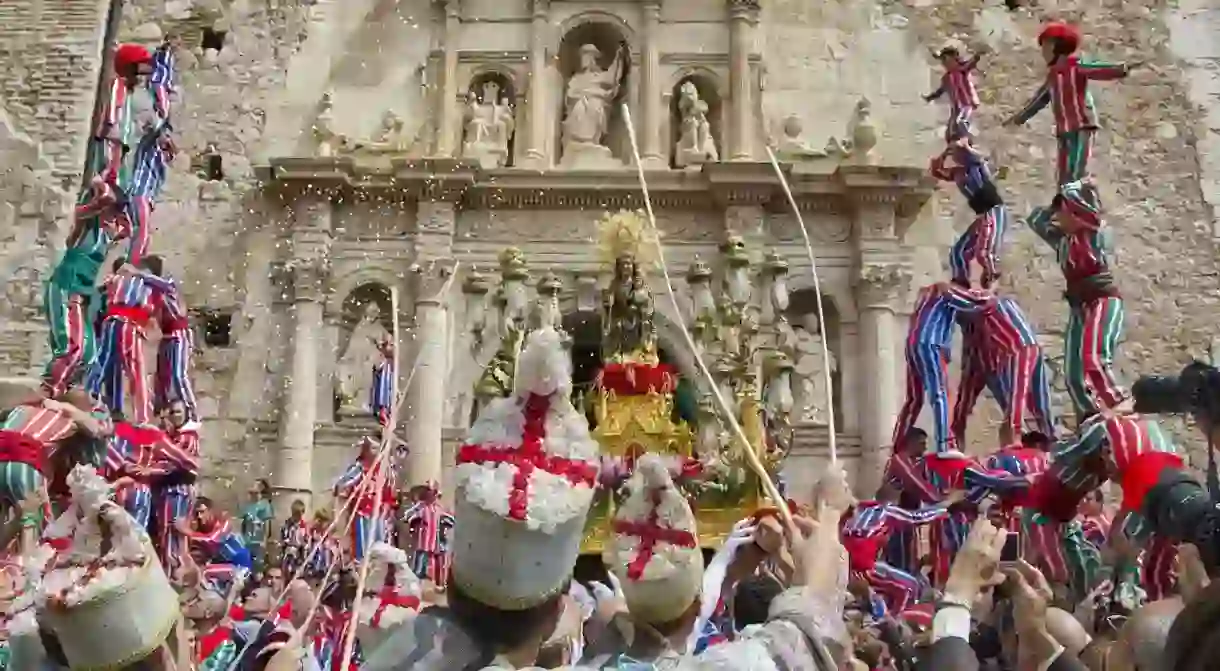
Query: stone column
{"points": [[651, 94], [446, 141], [743, 16], [879, 290], [535, 154], [426, 397], [305, 276]]}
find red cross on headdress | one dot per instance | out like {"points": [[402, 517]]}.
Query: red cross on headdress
{"points": [[651, 532], [529, 457]]}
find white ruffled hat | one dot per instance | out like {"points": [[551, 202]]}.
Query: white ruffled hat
{"points": [[655, 550], [525, 479]]}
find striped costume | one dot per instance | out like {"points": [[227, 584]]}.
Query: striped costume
{"points": [[330, 637], [133, 453], [221, 544], [366, 529], [865, 535], [1095, 319], [27, 435], [945, 474], [327, 552], [1066, 91], [981, 242], [929, 340], [216, 650], [963, 96], [173, 378], [121, 354], [381, 396], [294, 545], [1002, 353], [174, 492], [71, 302], [429, 526], [1023, 461]]}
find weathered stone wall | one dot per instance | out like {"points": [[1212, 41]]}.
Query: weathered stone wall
{"points": [[1156, 158]]}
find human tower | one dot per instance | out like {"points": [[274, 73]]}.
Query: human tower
{"points": [[1036, 482]]}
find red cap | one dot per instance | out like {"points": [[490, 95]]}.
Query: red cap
{"points": [[1066, 33], [128, 55]]}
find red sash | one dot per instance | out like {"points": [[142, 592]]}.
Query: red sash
{"points": [[20, 448], [140, 436], [135, 315]]}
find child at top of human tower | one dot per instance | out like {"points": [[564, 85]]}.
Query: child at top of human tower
{"points": [[1066, 90], [956, 81]]}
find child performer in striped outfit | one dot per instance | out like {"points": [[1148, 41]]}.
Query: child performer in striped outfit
{"points": [[865, 533], [174, 493], [129, 295], [367, 529], [218, 541], [1002, 351], [963, 165], [1095, 317], [115, 134], [294, 540], [382, 394], [429, 525], [958, 84], [1066, 91], [28, 435], [172, 381], [151, 156], [929, 341]]}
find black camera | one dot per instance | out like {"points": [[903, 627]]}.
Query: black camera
{"points": [[1196, 391]]}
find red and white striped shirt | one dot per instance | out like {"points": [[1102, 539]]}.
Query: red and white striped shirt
{"points": [[428, 522], [1066, 90], [958, 83], [40, 424]]}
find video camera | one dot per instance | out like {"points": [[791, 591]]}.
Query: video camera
{"points": [[1195, 391], [1179, 507]]}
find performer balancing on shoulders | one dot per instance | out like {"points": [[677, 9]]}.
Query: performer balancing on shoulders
{"points": [[1073, 226], [966, 167], [1066, 90], [929, 341], [958, 84]]}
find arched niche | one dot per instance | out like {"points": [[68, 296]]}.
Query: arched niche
{"points": [[683, 119], [809, 390], [498, 83], [365, 315], [369, 302], [608, 35]]}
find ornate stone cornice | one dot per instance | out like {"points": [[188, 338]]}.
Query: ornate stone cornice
{"points": [[882, 285], [825, 186], [745, 9]]}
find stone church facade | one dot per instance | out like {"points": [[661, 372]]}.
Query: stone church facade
{"points": [[350, 165]]}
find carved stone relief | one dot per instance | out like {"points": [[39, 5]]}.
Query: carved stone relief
{"points": [[354, 372], [489, 124], [827, 228], [809, 378], [883, 285]]}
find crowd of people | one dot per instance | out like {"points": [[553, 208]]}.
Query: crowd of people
{"points": [[1015, 560]]}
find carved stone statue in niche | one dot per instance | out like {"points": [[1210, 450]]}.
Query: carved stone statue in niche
{"points": [[809, 379], [695, 144], [590, 92], [489, 126], [355, 367]]}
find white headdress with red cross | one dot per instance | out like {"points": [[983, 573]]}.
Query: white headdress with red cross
{"points": [[525, 478], [655, 549]]}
